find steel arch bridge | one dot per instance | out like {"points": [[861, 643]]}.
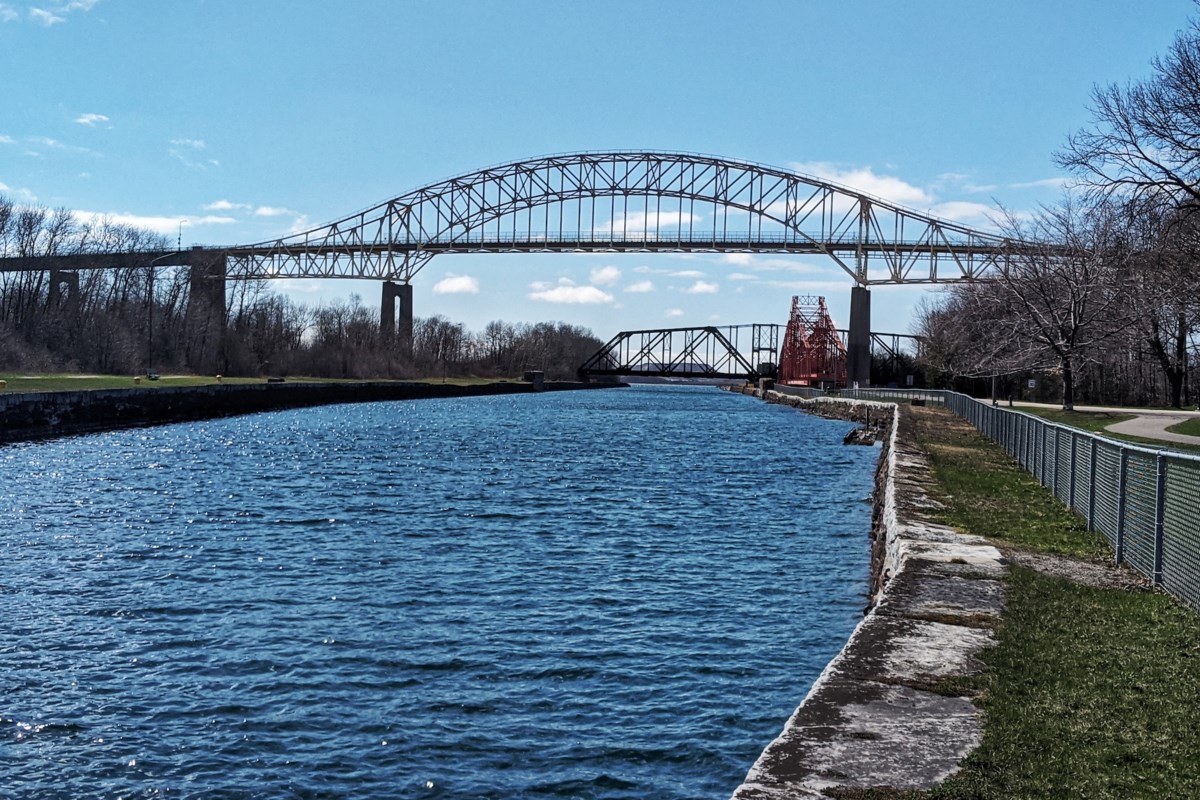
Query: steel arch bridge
{"points": [[626, 201]]}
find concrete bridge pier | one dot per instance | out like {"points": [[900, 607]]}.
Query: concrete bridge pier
{"points": [[402, 332], [64, 289], [205, 319], [858, 340]]}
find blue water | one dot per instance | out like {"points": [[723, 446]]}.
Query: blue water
{"points": [[613, 594]]}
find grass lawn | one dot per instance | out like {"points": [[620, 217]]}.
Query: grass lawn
{"points": [[1084, 420], [1096, 422], [1189, 427], [1090, 692], [986, 492]]}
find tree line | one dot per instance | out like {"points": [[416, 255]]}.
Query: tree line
{"points": [[1100, 291], [134, 319]]}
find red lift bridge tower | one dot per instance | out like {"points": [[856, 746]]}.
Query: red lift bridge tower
{"points": [[812, 353]]}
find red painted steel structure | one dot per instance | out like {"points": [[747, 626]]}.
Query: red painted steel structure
{"points": [[812, 353]]}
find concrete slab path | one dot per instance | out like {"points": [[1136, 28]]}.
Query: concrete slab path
{"points": [[1148, 423]]}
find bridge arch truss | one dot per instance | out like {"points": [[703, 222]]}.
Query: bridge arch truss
{"points": [[631, 202]]}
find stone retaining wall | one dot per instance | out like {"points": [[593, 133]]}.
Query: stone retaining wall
{"points": [[879, 714]]}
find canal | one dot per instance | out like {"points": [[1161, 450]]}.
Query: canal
{"points": [[571, 595]]}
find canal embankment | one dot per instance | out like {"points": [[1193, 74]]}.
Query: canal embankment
{"points": [[885, 711], [1089, 678], [39, 415]]}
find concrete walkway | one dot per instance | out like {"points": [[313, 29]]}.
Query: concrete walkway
{"points": [[1148, 423]]}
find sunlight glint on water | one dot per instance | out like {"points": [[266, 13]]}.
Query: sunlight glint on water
{"points": [[588, 594]]}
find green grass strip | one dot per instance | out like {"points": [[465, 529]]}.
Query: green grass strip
{"points": [[1095, 421], [1098, 421], [1090, 692], [1190, 427], [984, 491]]}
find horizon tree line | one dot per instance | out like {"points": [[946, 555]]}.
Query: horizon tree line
{"points": [[134, 319]]}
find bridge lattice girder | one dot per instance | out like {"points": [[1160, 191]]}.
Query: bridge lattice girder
{"points": [[631, 201], [706, 352]]}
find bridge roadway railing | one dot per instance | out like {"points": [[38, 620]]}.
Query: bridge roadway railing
{"points": [[1145, 501]]}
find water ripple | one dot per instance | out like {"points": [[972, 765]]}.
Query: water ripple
{"points": [[577, 595]]}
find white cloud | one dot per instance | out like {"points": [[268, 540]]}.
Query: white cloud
{"points": [[741, 276], [272, 211], [674, 312], [964, 211], [90, 119], [187, 149], [567, 292], [702, 287], [44, 17], [153, 223], [7, 140], [640, 287], [1044, 183], [23, 194], [758, 263], [864, 179], [605, 276], [55, 144], [963, 182], [688, 273], [809, 286], [299, 285], [225, 205], [635, 223], [456, 284]]}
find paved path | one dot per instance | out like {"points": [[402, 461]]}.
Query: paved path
{"points": [[1148, 423]]}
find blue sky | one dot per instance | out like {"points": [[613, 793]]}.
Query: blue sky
{"points": [[249, 119]]}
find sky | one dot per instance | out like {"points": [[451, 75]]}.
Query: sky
{"points": [[234, 121]]}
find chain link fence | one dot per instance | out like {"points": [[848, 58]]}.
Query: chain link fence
{"points": [[1144, 501]]}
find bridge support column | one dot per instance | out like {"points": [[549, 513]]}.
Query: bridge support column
{"points": [[205, 318], [401, 333], [64, 286], [858, 341]]}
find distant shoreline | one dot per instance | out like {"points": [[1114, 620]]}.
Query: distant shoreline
{"points": [[31, 416]]}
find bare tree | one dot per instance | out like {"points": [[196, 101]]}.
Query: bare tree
{"points": [[1144, 140], [1165, 288], [1059, 295]]}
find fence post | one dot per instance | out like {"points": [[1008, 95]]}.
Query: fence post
{"points": [[1092, 486], [1159, 503], [1054, 481], [1071, 473], [1025, 439], [1120, 548], [1042, 453]]}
